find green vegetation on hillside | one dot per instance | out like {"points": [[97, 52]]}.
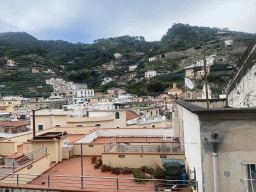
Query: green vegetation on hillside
{"points": [[83, 63]]}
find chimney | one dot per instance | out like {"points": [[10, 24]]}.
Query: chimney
{"points": [[174, 85]]}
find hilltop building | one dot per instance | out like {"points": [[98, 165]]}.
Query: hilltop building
{"points": [[174, 91], [133, 67], [151, 59], [117, 55], [11, 63], [150, 74]]}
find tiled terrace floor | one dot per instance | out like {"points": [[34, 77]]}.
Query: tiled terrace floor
{"points": [[18, 153], [74, 137], [72, 167]]}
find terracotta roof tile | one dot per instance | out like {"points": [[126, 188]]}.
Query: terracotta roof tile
{"points": [[3, 107], [130, 115], [8, 123], [174, 89]]}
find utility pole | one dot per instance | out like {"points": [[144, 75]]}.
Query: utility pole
{"points": [[205, 80], [82, 167], [34, 120]]}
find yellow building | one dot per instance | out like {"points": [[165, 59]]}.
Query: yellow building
{"points": [[174, 90], [45, 119], [14, 103]]}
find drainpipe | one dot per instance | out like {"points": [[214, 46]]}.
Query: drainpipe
{"points": [[214, 146], [215, 170]]}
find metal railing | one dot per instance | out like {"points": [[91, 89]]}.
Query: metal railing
{"points": [[30, 157], [131, 138], [99, 183], [150, 148], [34, 155]]}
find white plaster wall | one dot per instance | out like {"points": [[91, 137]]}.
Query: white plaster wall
{"points": [[88, 138], [192, 145], [99, 114], [244, 95]]}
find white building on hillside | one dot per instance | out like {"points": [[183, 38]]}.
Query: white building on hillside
{"points": [[133, 67], [117, 55], [150, 74], [151, 59], [106, 80]]}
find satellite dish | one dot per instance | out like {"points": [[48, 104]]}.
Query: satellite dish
{"points": [[189, 83]]}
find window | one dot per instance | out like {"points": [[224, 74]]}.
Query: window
{"points": [[57, 125], [79, 125], [40, 127], [98, 124], [153, 126], [117, 127], [251, 176], [117, 115]]}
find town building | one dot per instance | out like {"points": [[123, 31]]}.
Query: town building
{"points": [[117, 55], [133, 67], [10, 104], [11, 63], [151, 59], [106, 80], [34, 70], [174, 91], [45, 119], [218, 144], [150, 74], [229, 42]]}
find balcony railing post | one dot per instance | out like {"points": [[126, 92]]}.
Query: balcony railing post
{"points": [[32, 157], [13, 166], [82, 182], [117, 187], [17, 179], [155, 186], [48, 180], [45, 150]]}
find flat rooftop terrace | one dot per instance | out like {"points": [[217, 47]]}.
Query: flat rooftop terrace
{"points": [[133, 139], [65, 177]]}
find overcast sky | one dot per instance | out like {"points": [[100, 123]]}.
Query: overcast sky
{"points": [[87, 20]]}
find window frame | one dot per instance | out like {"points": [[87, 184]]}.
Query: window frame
{"points": [[38, 127]]}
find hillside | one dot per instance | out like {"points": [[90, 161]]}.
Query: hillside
{"points": [[90, 63]]}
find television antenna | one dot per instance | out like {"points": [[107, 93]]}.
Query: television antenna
{"points": [[189, 83]]}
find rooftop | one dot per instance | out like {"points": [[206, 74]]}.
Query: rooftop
{"points": [[18, 123], [201, 110], [122, 139], [131, 115]]}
